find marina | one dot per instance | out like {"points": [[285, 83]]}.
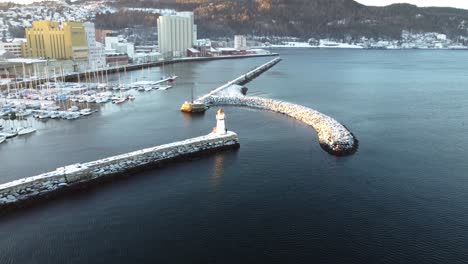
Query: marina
{"points": [[67, 101]]}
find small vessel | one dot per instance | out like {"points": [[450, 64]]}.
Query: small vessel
{"points": [[119, 100], [131, 97], [165, 87], [148, 88], [25, 130], [141, 89], [2, 139], [43, 115], [73, 108], [91, 99], [172, 78], [86, 112], [72, 115], [54, 115], [193, 107], [10, 134], [23, 113]]}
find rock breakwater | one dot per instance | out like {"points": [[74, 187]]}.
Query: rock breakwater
{"points": [[333, 136]]}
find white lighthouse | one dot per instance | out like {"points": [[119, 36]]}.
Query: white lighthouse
{"points": [[220, 124]]}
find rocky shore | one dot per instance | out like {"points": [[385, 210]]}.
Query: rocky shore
{"points": [[23, 190], [333, 136]]}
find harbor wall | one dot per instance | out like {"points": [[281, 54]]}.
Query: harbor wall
{"points": [[333, 137], [46, 184], [243, 79], [131, 67]]}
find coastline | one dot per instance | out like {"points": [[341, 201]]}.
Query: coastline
{"points": [[132, 67]]}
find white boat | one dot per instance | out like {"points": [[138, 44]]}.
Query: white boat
{"points": [[26, 130], [73, 115], [141, 89], [119, 100], [73, 108], [24, 113], [131, 97], [172, 78], [9, 134], [102, 100], [43, 115], [148, 88], [86, 112], [54, 115], [2, 139], [165, 87]]}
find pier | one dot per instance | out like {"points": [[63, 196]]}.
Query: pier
{"points": [[14, 193], [199, 104]]}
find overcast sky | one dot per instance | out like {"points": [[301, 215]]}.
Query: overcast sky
{"points": [[450, 3]]}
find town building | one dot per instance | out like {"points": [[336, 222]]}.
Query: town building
{"points": [[116, 59], [176, 34], [240, 42], [96, 56], [46, 39], [14, 46], [116, 44]]}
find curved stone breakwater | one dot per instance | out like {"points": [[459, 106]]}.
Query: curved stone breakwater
{"points": [[333, 136], [63, 178]]}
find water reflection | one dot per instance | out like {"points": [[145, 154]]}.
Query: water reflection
{"points": [[218, 171]]}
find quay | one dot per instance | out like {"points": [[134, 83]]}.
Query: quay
{"points": [[27, 190], [74, 76]]}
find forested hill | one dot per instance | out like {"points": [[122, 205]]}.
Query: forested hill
{"points": [[308, 18]]}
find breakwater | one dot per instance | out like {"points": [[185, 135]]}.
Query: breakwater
{"points": [[333, 137], [64, 178], [241, 80]]}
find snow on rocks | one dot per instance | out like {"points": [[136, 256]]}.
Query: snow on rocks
{"points": [[40, 185], [333, 136]]}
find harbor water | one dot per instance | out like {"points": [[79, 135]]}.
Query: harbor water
{"points": [[279, 198]]}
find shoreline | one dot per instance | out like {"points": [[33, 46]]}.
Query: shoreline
{"points": [[71, 77]]}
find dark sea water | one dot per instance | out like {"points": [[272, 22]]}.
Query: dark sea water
{"points": [[402, 198]]}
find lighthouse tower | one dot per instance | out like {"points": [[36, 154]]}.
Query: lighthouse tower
{"points": [[220, 125]]}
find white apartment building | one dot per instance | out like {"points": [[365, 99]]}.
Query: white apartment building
{"points": [[240, 42], [96, 56], [119, 45], [176, 34], [14, 46]]}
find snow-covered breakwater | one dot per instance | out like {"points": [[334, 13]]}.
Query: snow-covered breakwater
{"points": [[25, 189], [333, 136], [243, 79]]}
